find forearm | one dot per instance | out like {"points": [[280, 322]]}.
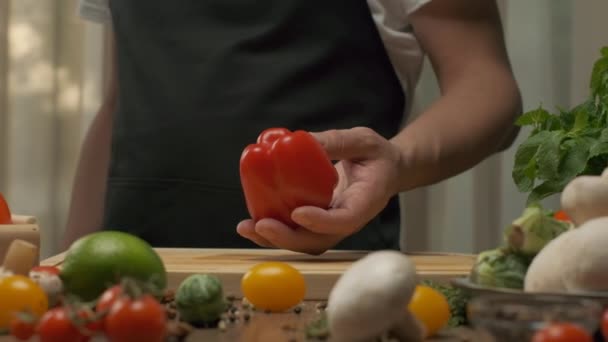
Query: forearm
{"points": [[473, 119], [88, 193]]}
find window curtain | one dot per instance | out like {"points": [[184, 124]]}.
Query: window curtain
{"points": [[50, 84]]}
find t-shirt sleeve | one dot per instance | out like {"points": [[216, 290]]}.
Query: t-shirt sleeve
{"points": [[95, 10], [412, 6]]}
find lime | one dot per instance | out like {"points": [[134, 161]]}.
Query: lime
{"points": [[101, 259]]}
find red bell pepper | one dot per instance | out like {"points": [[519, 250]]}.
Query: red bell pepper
{"points": [[285, 170], [5, 213]]}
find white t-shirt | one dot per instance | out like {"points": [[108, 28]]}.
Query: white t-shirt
{"points": [[390, 16]]}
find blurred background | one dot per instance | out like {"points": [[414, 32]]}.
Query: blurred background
{"points": [[52, 72]]}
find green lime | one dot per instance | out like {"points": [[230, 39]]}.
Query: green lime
{"points": [[101, 259]]}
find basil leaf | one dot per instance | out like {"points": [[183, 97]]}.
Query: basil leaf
{"points": [[567, 144], [546, 189], [566, 118], [576, 155], [600, 146], [524, 177], [552, 123], [524, 170], [581, 120], [533, 117], [599, 75], [549, 155]]}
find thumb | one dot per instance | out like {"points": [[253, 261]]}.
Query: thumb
{"points": [[354, 143]]}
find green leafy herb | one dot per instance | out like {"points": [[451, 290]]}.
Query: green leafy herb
{"points": [[564, 145], [318, 327]]}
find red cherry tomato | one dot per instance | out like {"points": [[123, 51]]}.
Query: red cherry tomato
{"points": [[136, 320], [5, 213], [561, 216], [93, 325], [22, 329], [562, 332], [56, 326], [107, 298]]}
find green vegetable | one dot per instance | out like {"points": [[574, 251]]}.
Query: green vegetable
{"points": [[200, 299], [457, 299], [499, 268], [530, 232], [318, 328], [567, 144]]}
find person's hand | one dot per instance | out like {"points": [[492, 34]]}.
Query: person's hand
{"points": [[368, 170]]}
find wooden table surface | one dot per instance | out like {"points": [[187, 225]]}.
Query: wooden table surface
{"points": [[287, 327], [290, 327]]}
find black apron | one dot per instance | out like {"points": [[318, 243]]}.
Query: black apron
{"points": [[200, 79]]}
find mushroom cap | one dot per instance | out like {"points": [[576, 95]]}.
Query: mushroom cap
{"points": [[371, 296], [585, 198], [585, 261], [50, 283], [573, 261], [545, 273]]}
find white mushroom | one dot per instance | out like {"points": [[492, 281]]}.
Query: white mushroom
{"points": [[49, 281], [545, 272], [371, 298], [574, 261], [586, 197]]}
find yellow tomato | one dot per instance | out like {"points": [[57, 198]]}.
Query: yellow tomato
{"points": [[431, 308], [19, 293], [274, 286]]}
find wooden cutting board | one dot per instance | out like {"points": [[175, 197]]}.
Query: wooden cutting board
{"points": [[320, 272]]}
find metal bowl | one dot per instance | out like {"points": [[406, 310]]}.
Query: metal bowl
{"points": [[475, 290], [515, 315], [516, 318]]}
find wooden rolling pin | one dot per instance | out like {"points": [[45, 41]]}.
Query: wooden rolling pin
{"points": [[20, 257]]}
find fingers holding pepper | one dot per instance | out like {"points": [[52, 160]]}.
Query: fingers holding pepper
{"points": [[297, 198], [296, 239]]}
